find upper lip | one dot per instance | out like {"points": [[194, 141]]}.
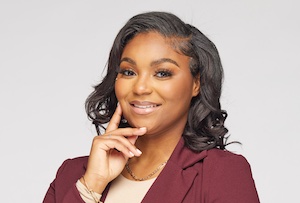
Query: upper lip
{"points": [[144, 104]]}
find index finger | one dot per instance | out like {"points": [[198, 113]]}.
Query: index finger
{"points": [[115, 120]]}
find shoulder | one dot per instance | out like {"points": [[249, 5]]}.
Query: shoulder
{"points": [[226, 166], [72, 168], [228, 177], [225, 158], [63, 186], [77, 161]]}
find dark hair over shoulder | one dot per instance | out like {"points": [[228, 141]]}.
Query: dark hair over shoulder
{"points": [[205, 125]]}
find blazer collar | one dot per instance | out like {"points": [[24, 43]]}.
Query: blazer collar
{"points": [[177, 177], [184, 157]]}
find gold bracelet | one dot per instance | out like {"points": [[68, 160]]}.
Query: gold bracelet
{"points": [[92, 193]]}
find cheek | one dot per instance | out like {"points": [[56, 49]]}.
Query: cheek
{"points": [[177, 90], [117, 91], [120, 90], [171, 91]]}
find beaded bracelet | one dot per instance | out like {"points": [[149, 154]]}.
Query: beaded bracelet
{"points": [[92, 193]]}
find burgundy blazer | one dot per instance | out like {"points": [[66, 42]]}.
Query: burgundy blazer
{"points": [[211, 176]]}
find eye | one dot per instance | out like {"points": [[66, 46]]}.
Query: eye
{"points": [[127, 72], [163, 73]]}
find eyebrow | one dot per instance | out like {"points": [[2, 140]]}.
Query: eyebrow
{"points": [[129, 60], [164, 60], [153, 63]]}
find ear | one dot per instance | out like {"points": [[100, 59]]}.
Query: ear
{"points": [[196, 85]]}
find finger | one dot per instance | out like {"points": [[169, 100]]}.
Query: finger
{"points": [[120, 148], [127, 142], [120, 144], [127, 132], [115, 119], [132, 139]]}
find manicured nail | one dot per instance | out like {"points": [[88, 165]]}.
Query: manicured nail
{"points": [[138, 151], [131, 154], [143, 128]]}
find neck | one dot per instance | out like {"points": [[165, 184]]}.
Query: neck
{"points": [[156, 148], [155, 152]]}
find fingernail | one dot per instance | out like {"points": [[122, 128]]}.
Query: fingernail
{"points": [[138, 151], [131, 154], [143, 128]]}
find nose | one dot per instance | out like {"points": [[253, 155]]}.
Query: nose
{"points": [[142, 85]]}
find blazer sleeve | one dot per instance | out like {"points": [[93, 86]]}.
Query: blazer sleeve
{"points": [[230, 180], [63, 189]]}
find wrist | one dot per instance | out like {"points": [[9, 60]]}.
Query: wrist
{"points": [[86, 194], [93, 184]]}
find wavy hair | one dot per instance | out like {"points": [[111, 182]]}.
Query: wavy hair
{"points": [[205, 124]]}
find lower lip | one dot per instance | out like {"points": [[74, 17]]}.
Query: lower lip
{"points": [[144, 111]]}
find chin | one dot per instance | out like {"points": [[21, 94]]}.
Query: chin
{"points": [[149, 126]]}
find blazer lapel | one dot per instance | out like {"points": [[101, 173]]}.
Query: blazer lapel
{"points": [[177, 177]]}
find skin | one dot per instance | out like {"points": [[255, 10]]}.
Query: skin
{"points": [[154, 88]]}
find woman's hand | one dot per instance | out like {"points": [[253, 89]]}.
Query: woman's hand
{"points": [[110, 152]]}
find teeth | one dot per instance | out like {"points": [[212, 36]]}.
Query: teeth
{"points": [[145, 107]]}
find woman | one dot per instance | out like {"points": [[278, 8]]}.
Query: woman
{"points": [[165, 138]]}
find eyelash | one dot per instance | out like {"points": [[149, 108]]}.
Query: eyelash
{"points": [[163, 72], [166, 73], [126, 72]]}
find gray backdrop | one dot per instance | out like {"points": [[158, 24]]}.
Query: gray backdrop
{"points": [[52, 52]]}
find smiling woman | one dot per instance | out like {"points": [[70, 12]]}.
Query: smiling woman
{"points": [[166, 77], [155, 86]]}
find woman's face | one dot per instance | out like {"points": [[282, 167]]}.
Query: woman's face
{"points": [[154, 86]]}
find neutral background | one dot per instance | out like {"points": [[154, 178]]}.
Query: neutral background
{"points": [[52, 52]]}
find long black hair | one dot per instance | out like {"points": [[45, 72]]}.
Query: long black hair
{"points": [[205, 124]]}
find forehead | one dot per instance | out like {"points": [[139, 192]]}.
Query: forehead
{"points": [[152, 49], [153, 42]]}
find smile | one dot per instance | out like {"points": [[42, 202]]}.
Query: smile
{"points": [[143, 108]]}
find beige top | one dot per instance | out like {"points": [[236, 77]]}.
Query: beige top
{"points": [[121, 190], [128, 191]]}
